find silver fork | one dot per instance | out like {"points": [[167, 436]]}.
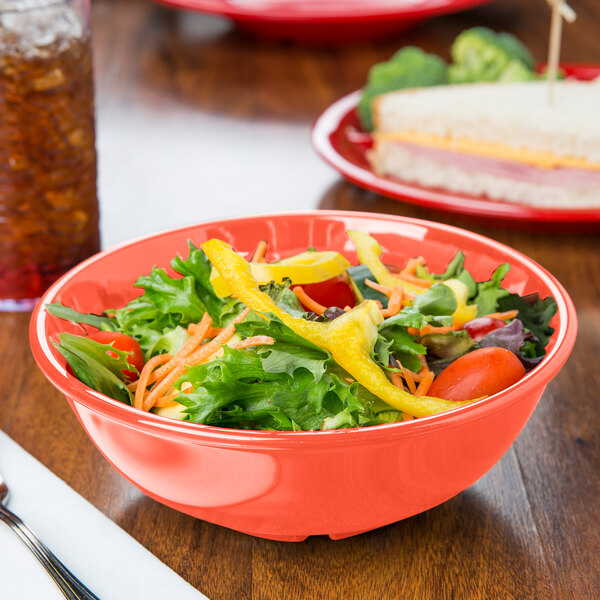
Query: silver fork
{"points": [[69, 585]]}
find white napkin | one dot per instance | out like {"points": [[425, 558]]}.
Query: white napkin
{"points": [[105, 558]]}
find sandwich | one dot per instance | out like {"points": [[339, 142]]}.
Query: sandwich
{"points": [[501, 141]]}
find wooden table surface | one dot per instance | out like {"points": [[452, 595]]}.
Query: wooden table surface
{"points": [[196, 121]]}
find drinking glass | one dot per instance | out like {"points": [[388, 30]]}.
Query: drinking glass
{"points": [[48, 202]]}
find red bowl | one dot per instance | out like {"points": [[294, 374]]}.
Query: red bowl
{"points": [[289, 485]]}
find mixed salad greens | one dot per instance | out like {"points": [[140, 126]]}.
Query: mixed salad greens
{"points": [[478, 55], [309, 342]]}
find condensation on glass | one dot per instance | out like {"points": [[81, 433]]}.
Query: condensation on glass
{"points": [[48, 203]]}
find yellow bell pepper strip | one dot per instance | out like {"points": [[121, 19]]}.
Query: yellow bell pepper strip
{"points": [[306, 267], [349, 338], [464, 312], [368, 251]]}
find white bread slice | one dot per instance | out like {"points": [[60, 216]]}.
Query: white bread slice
{"points": [[397, 161], [517, 115]]}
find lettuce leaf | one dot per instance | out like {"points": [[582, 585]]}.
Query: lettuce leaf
{"points": [[456, 270], [93, 366], [397, 342], [236, 391], [290, 385], [490, 292], [169, 302], [198, 267], [68, 314], [283, 297], [439, 300]]}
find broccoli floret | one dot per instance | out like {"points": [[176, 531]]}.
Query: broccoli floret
{"points": [[409, 67], [481, 54]]}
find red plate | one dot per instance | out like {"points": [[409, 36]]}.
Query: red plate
{"points": [[339, 139], [325, 21]]}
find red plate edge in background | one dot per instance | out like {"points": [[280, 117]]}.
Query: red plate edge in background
{"points": [[330, 140], [334, 21], [332, 12]]}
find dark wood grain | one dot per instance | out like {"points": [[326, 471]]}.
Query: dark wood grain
{"points": [[529, 528]]}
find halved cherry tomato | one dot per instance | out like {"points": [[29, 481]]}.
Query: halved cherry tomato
{"points": [[331, 292], [481, 326], [125, 343], [479, 373]]}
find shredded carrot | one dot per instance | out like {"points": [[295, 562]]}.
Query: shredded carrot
{"points": [[431, 329], [407, 417], [409, 377], [424, 363], [505, 316], [395, 303], [185, 350], [169, 399], [347, 308], [257, 340], [308, 302], [397, 380], [426, 283], [191, 360], [204, 351], [413, 331], [259, 253], [211, 333], [349, 379], [411, 265], [384, 289], [142, 382], [196, 338], [425, 384], [163, 403]]}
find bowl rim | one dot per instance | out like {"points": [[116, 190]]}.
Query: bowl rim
{"points": [[115, 410]]}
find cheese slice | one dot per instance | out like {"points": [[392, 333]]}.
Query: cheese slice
{"points": [[542, 160]]}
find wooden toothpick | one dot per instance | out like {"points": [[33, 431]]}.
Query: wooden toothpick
{"points": [[560, 10]]}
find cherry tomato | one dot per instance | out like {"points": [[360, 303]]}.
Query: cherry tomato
{"points": [[125, 343], [332, 292], [479, 373], [481, 326]]}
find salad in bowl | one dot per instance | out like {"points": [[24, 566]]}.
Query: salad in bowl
{"points": [[329, 363], [309, 341]]}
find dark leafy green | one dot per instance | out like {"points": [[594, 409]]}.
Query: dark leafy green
{"points": [[517, 339], [535, 313], [358, 275]]}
